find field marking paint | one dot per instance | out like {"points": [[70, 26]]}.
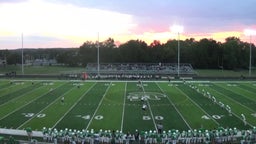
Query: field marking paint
{"points": [[122, 122], [75, 103], [237, 103], [57, 99], [233, 100], [98, 106], [227, 97], [149, 108], [14, 99], [198, 106], [28, 103], [174, 106], [9, 87], [246, 96]]}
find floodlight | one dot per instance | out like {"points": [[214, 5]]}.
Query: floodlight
{"points": [[250, 33], [177, 29]]}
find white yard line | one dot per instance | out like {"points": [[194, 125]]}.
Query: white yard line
{"points": [[237, 103], [26, 104], [73, 105], [57, 99], [122, 123], [19, 96], [174, 106], [6, 88], [98, 106], [199, 107], [150, 110], [246, 96], [234, 101]]}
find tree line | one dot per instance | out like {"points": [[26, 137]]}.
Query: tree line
{"points": [[203, 54]]}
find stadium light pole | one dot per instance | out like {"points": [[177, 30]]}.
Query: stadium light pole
{"points": [[22, 65], [178, 29], [250, 32], [98, 56]]}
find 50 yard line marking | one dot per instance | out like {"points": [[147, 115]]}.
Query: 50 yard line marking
{"points": [[122, 122], [149, 107], [98, 106]]}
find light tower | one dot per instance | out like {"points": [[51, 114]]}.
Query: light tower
{"points": [[178, 29], [250, 33]]}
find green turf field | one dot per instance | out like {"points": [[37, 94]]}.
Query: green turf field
{"points": [[118, 106]]}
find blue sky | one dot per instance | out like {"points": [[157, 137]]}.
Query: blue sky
{"points": [[69, 23]]}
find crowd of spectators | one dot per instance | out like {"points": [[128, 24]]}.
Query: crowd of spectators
{"points": [[137, 70]]}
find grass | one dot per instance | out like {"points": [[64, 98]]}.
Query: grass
{"points": [[117, 105], [223, 73], [41, 69]]}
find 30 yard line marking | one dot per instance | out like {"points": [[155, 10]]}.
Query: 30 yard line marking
{"points": [[75, 103], [122, 122], [57, 99], [98, 106], [174, 106], [28, 103]]}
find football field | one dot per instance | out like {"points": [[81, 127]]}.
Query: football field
{"points": [[117, 105]]}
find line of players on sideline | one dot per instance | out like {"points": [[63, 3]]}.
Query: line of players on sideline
{"points": [[213, 99], [204, 92], [220, 135]]}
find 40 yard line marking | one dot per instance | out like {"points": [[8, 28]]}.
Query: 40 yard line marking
{"points": [[174, 106], [98, 106], [198, 106], [73, 105], [122, 123]]}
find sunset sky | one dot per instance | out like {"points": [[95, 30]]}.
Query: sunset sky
{"points": [[69, 23]]}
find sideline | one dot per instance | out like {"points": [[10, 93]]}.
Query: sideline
{"points": [[20, 132]]}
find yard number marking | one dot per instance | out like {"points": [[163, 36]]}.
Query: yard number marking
{"points": [[88, 117], [29, 115], [149, 118], [253, 114], [213, 116]]}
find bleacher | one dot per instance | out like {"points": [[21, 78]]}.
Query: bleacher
{"points": [[135, 70]]}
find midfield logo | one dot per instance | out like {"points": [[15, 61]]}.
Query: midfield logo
{"points": [[137, 96]]}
